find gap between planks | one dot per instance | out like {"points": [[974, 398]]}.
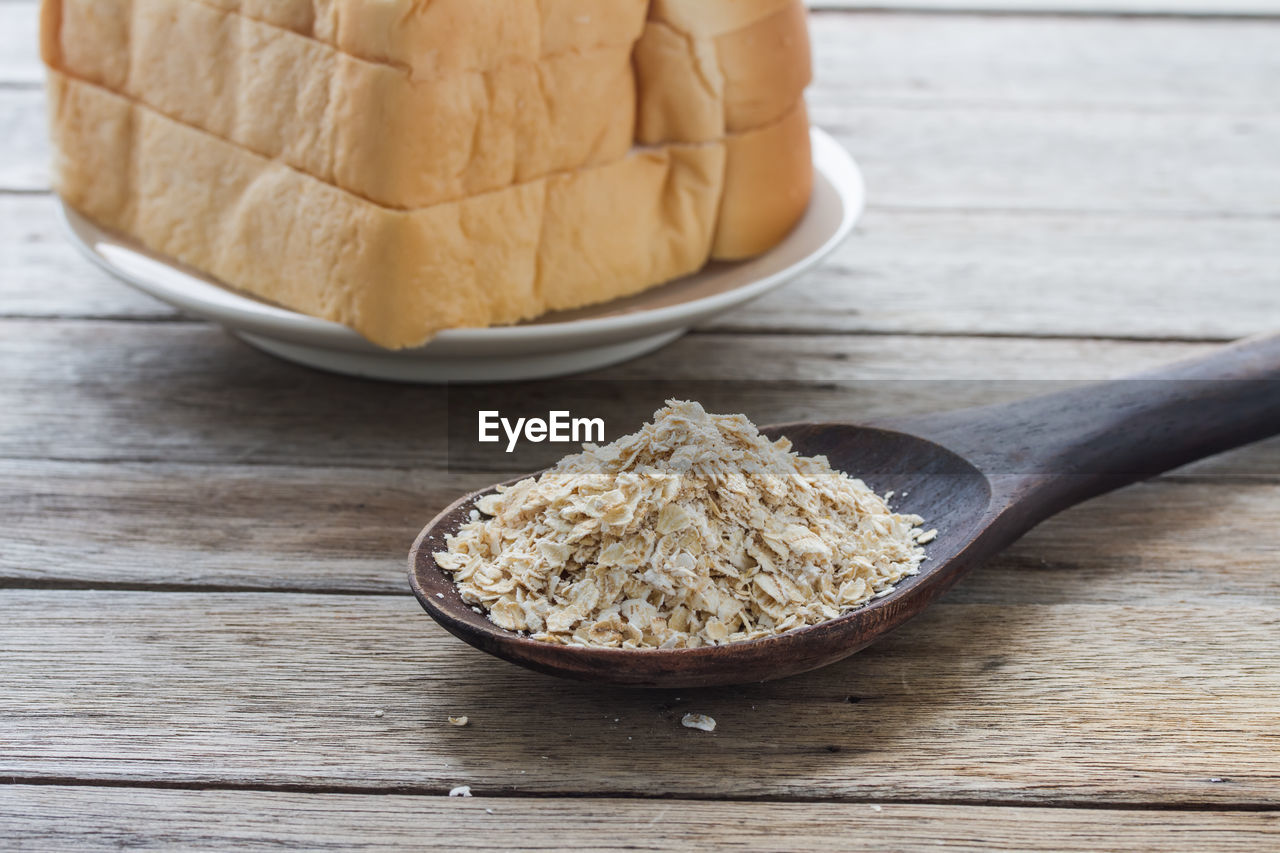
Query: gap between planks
{"points": [[426, 792], [728, 329], [722, 329]]}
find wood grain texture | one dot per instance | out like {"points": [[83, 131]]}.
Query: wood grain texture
{"points": [[179, 392], [42, 275], [25, 167], [80, 818], [1038, 176], [19, 45], [255, 527], [911, 273], [1087, 64], [1060, 160], [1033, 704]]}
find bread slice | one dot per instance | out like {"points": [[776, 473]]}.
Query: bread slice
{"points": [[367, 127], [705, 68], [767, 183], [397, 277]]}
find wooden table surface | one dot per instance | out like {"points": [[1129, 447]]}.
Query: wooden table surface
{"points": [[206, 637]]}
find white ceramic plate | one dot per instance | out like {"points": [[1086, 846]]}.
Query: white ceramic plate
{"points": [[554, 345]]}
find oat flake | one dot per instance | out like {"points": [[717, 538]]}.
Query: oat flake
{"points": [[698, 721], [694, 531]]}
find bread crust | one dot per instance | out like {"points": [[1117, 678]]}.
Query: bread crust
{"points": [[768, 65], [767, 183]]}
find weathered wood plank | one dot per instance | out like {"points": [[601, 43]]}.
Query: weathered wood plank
{"points": [[903, 272], [41, 274], [19, 45], [348, 530], [180, 392], [51, 818], [25, 165], [969, 157], [188, 393], [1164, 702], [968, 273], [1059, 160], [254, 527], [1028, 704], [1216, 67]]}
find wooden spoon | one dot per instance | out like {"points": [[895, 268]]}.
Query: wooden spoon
{"points": [[982, 477]]}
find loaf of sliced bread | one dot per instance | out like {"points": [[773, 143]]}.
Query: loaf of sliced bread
{"points": [[352, 160]]}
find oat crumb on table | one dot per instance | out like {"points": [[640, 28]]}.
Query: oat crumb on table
{"points": [[698, 721], [459, 721]]}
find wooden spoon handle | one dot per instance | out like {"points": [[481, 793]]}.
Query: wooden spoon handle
{"points": [[1059, 449]]}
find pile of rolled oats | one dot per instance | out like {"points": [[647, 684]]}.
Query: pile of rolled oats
{"points": [[694, 531]]}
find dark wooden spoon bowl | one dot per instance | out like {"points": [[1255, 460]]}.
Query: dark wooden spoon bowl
{"points": [[982, 477]]}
